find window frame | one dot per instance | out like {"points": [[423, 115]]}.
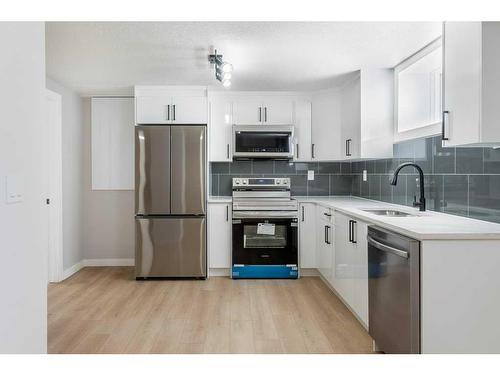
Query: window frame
{"points": [[427, 130]]}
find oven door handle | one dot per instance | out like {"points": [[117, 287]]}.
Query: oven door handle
{"points": [[387, 249], [264, 214]]}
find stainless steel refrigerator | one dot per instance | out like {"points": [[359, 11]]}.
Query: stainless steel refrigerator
{"points": [[170, 201]]}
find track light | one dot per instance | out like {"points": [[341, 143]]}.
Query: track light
{"points": [[223, 69]]}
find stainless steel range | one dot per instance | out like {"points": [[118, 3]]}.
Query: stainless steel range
{"points": [[265, 229]]}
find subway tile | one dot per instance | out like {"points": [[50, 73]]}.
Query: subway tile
{"points": [[345, 167], [374, 186], [403, 150], [328, 168], [263, 167], [422, 149], [385, 188], [340, 184], [298, 184], [319, 186], [492, 161], [356, 185], [455, 189], [399, 191], [220, 168], [239, 167], [225, 185], [484, 197], [370, 166], [358, 166], [433, 185], [214, 184], [365, 189], [443, 157], [302, 168], [469, 160], [284, 167], [381, 166]]}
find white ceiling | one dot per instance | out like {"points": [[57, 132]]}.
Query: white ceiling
{"points": [[110, 57]]}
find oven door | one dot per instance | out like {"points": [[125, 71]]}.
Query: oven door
{"points": [[259, 141], [266, 241]]}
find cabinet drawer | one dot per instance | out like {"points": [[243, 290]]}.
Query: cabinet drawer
{"points": [[326, 214]]}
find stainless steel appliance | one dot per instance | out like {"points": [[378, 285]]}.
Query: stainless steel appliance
{"points": [[394, 291], [265, 229], [170, 201], [258, 141]]}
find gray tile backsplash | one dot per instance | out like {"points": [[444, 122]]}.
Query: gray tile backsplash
{"points": [[459, 181]]}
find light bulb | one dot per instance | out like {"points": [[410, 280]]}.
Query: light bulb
{"points": [[226, 76], [226, 67], [226, 83]]}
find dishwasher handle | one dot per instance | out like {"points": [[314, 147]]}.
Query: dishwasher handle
{"points": [[388, 249]]}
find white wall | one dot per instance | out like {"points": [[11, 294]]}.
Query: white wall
{"points": [[109, 214], [72, 174], [23, 225]]}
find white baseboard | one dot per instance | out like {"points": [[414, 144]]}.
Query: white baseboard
{"points": [[307, 272], [72, 270], [118, 262]]}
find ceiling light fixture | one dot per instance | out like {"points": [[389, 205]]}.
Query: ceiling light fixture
{"points": [[223, 69]]}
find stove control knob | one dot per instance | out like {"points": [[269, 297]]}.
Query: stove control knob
{"points": [[278, 182], [237, 181], [245, 182]]}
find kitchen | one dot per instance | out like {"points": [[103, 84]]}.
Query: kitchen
{"points": [[348, 208]]}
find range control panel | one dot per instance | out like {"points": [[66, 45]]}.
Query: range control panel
{"points": [[261, 182]]}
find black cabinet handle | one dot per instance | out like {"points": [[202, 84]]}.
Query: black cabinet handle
{"points": [[265, 114], [351, 231], [327, 214], [327, 234], [168, 112], [312, 151], [348, 147], [260, 114], [297, 150], [227, 213], [228, 150], [173, 112], [443, 132], [303, 213]]}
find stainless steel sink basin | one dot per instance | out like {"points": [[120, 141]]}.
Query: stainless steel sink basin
{"points": [[392, 213]]}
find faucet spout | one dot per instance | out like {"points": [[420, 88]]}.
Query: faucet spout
{"points": [[421, 203]]}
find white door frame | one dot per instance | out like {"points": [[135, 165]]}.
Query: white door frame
{"points": [[54, 184]]}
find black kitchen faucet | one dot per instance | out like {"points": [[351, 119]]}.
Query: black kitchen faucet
{"points": [[421, 203]]}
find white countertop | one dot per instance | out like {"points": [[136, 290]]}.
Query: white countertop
{"points": [[428, 225]]}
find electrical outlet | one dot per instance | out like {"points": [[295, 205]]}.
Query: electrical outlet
{"points": [[13, 189], [365, 175], [310, 175]]}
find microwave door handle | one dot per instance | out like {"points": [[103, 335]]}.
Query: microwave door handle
{"points": [[260, 114]]}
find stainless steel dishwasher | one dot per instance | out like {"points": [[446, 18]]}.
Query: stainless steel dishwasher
{"points": [[394, 291]]}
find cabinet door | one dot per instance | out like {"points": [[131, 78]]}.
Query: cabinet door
{"points": [[278, 111], [307, 235], [219, 235], [220, 130], [248, 111], [360, 272], [351, 120], [153, 109], [189, 110], [325, 237], [112, 143], [326, 127], [343, 258], [462, 81], [302, 131]]}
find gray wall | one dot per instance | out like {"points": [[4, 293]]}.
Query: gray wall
{"points": [[459, 181], [109, 214], [23, 225], [72, 173]]}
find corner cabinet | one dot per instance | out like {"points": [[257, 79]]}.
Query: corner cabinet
{"points": [[350, 273], [171, 105], [367, 115], [471, 56], [219, 235]]}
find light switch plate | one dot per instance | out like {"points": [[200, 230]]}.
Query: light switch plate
{"points": [[365, 175], [13, 189], [310, 175]]}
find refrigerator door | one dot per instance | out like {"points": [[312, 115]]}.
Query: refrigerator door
{"points": [[171, 247], [188, 170], [152, 170]]}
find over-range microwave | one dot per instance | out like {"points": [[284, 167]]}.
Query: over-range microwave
{"points": [[263, 141]]}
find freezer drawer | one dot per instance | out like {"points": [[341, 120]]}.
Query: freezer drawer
{"points": [[171, 247]]}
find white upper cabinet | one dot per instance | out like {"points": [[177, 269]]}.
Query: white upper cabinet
{"points": [[220, 129], [112, 128], [171, 105], [367, 115], [263, 110], [325, 143], [302, 135], [471, 57]]}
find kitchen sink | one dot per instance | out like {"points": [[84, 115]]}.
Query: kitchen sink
{"points": [[392, 213]]}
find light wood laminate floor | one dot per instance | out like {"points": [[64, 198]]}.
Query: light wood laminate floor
{"points": [[104, 310]]}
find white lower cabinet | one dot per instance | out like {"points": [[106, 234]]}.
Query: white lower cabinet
{"points": [[325, 236], [350, 271], [219, 235], [307, 235]]}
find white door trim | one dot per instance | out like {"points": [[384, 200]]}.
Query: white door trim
{"points": [[54, 184]]}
